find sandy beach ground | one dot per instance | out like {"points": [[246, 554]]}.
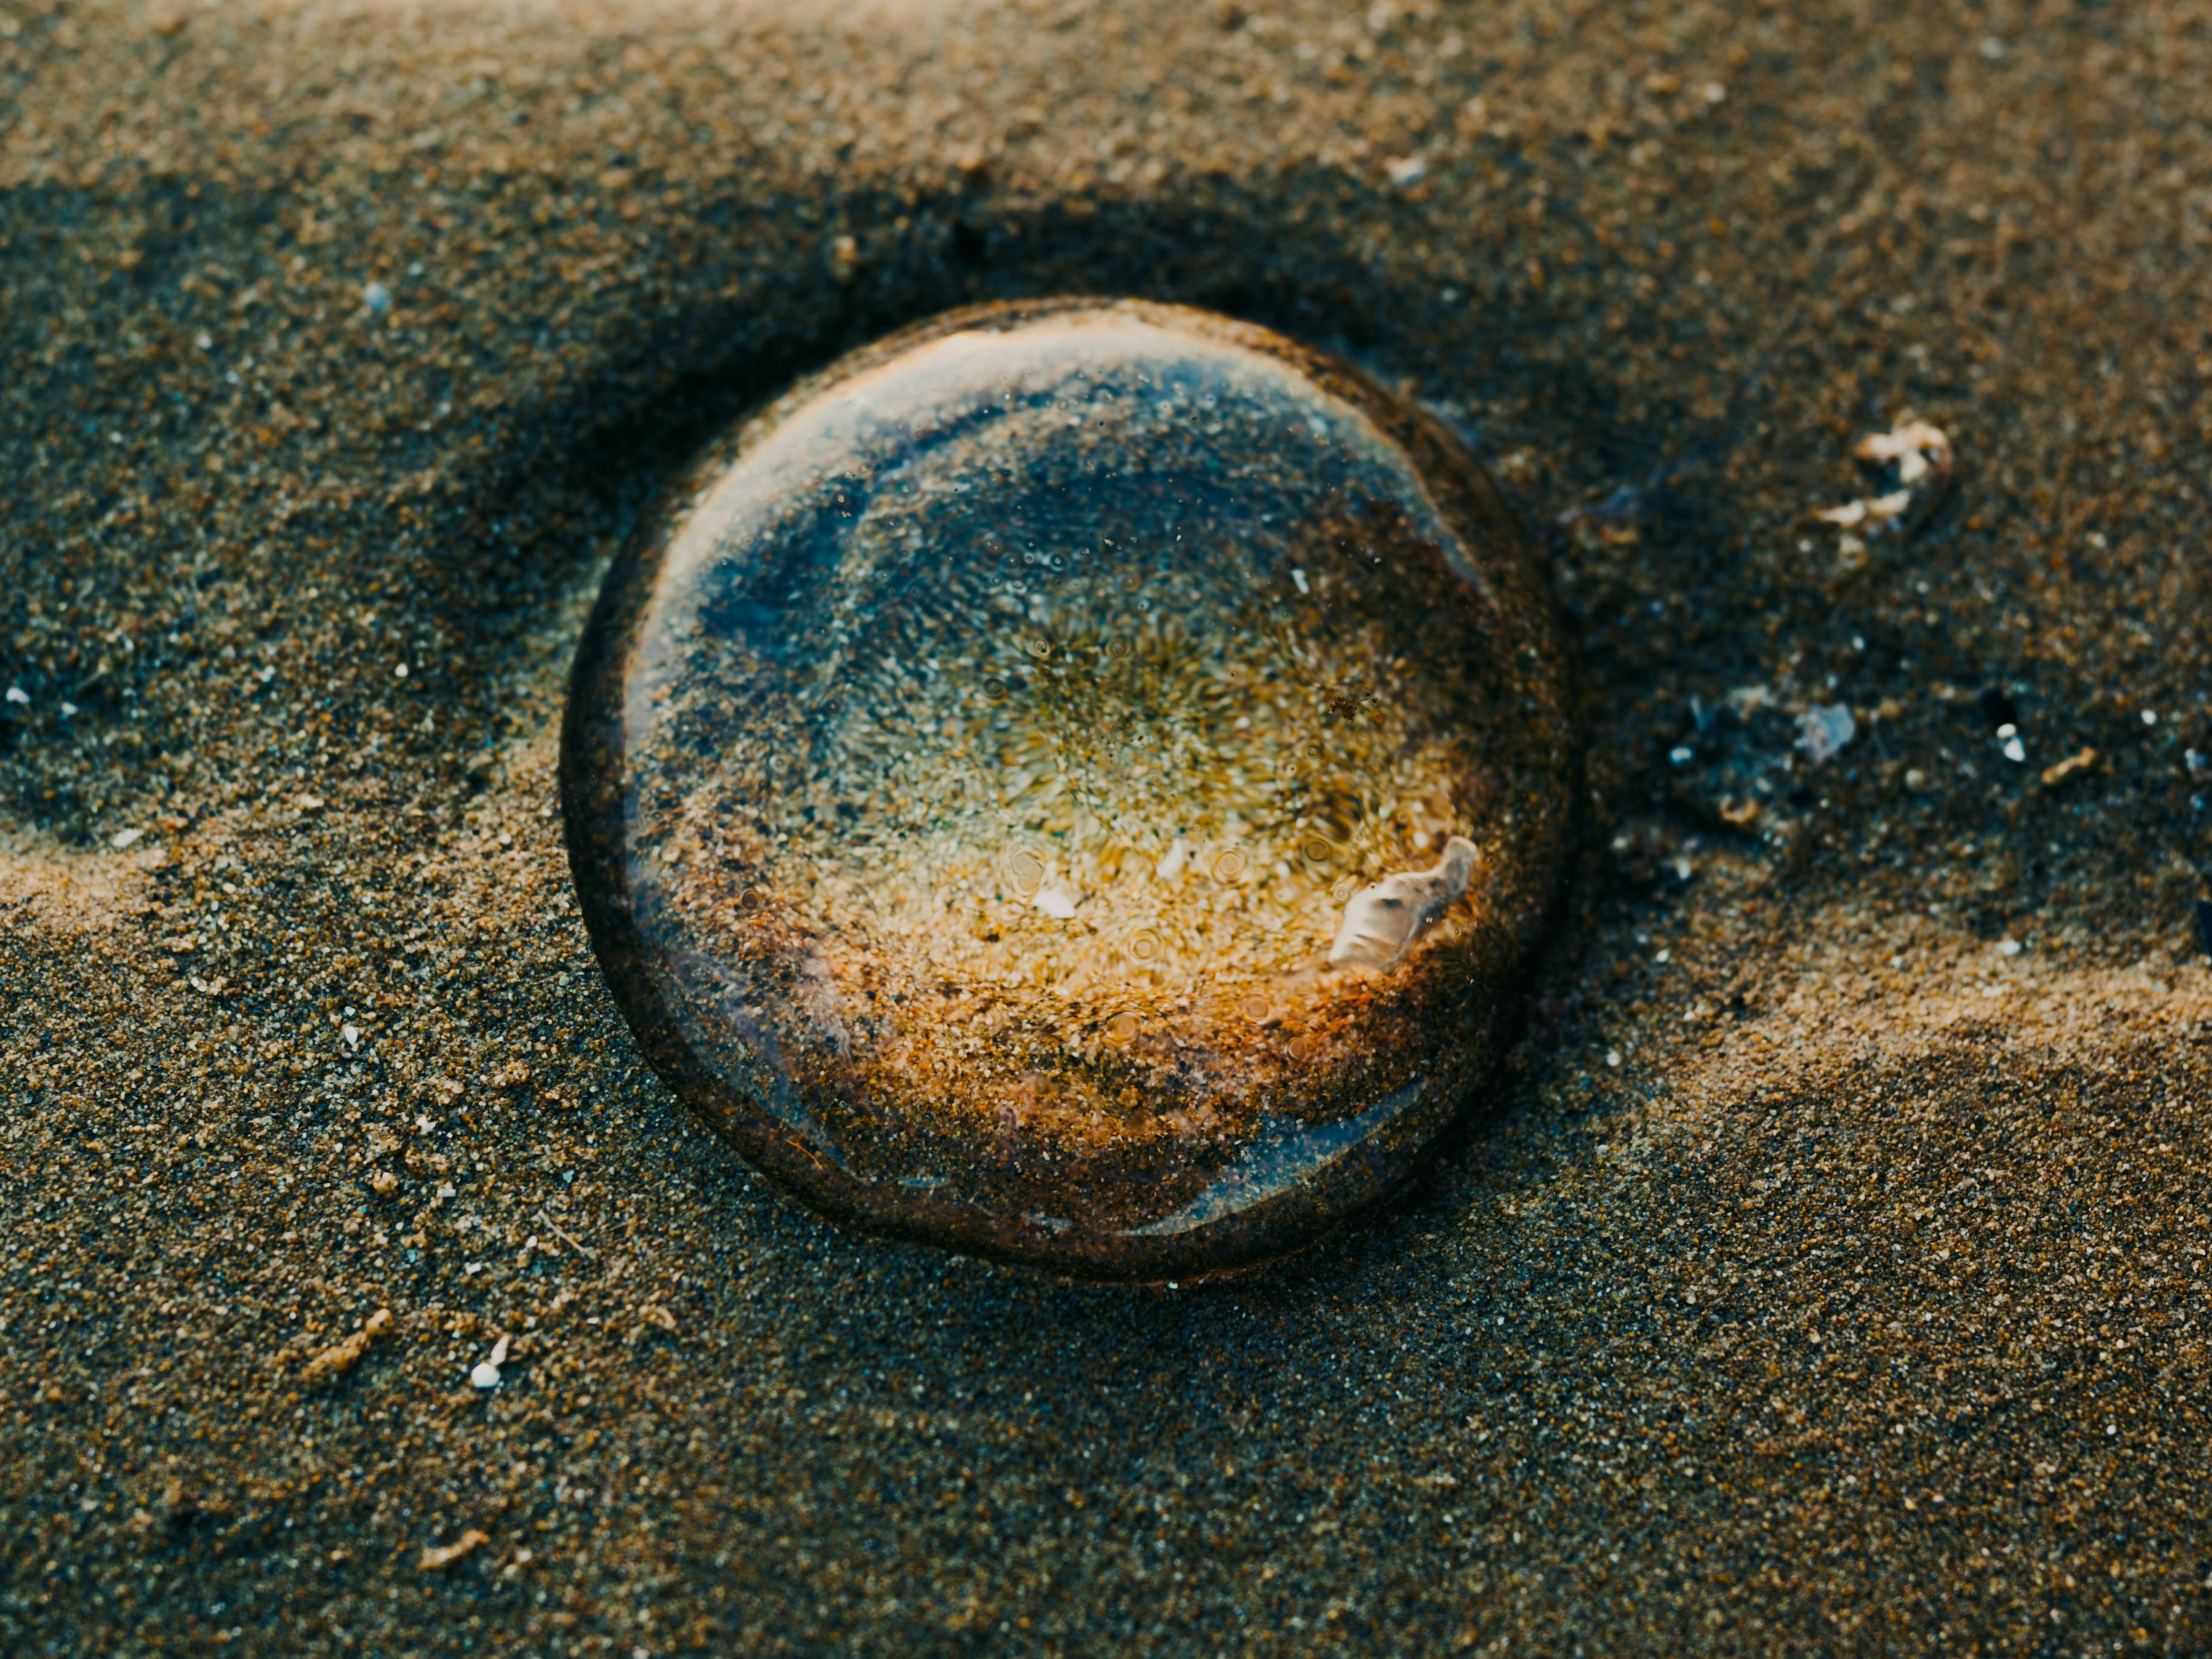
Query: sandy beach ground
{"points": [[1826, 1272]]}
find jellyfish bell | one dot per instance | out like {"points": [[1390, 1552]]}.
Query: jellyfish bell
{"points": [[1043, 879]]}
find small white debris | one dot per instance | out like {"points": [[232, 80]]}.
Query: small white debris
{"points": [[1715, 92], [1172, 866], [1883, 510], [1058, 900], [486, 1375], [1384, 919], [1299, 577], [2009, 947], [2008, 743], [377, 297], [1917, 450], [307, 802], [1919, 455], [1823, 732], [1681, 754], [124, 838], [2150, 717], [352, 1035], [1406, 170], [16, 694], [1613, 1058], [399, 671]]}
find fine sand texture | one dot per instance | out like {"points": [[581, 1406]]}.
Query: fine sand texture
{"points": [[1824, 1273]]}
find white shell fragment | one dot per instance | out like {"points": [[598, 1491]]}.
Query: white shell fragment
{"points": [[1172, 866], [486, 1375], [1918, 447], [1057, 899], [1382, 921], [1921, 452], [1882, 510]]}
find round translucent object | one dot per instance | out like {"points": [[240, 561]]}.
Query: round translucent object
{"points": [[1076, 782]]}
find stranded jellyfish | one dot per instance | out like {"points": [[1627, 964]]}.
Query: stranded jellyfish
{"points": [[1077, 783]]}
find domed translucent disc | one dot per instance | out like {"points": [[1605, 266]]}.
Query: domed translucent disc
{"points": [[1075, 782]]}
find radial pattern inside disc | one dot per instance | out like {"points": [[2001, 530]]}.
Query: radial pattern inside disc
{"points": [[1076, 782]]}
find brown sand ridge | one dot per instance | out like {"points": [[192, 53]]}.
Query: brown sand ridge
{"points": [[1825, 1274]]}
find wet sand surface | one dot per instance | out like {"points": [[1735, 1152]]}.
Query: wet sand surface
{"points": [[1825, 1273]]}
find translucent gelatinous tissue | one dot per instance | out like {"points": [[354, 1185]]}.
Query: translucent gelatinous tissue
{"points": [[971, 775]]}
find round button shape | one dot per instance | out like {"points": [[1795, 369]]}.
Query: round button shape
{"points": [[1076, 782]]}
